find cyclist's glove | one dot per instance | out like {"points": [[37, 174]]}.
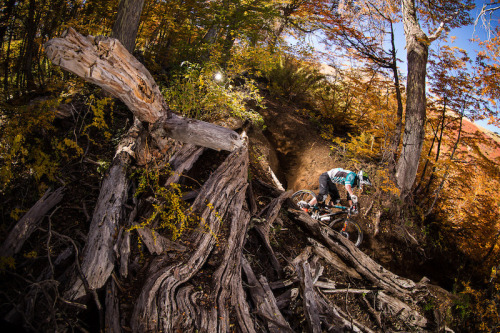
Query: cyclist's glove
{"points": [[354, 199]]}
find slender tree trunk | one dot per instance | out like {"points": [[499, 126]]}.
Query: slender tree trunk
{"points": [[127, 22], [4, 20], [443, 116], [6, 66], [414, 133], [447, 173], [438, 149]]}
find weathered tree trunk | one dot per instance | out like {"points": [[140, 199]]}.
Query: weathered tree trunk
{"points": [[417, 48], [166, 294]]}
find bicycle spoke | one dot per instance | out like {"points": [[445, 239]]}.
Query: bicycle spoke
{"points": [[303, 195], [349, 230]]}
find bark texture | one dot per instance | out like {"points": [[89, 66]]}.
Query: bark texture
{"points": [[417, 48], [127, 22], [167, 299]]}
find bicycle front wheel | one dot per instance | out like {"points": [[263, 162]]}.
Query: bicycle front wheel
{"points": [[349, 229], [303, 195]]}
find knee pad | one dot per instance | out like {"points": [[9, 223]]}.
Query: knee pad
{"points": [[322, 197]]}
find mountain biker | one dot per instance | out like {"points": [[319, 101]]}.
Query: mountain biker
{"points": [[349, 179]]}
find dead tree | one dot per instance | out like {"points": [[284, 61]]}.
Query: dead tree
{"points": [[29, 222]]}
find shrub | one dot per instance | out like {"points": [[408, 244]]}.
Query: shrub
{"points": [[293, 79], [205, 93], [169, 209]]}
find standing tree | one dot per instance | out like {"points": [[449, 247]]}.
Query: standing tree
{"points": [[127, 22], [417, 47]]}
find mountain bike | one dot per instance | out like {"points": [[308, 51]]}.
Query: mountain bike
{"points": [[335, 217]]}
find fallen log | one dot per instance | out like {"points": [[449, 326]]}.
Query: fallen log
{"points": [[334, 259], [98, 257], [29, 222], [265, 302], [156, 243], [112, 318], [354, 257], [308, 297], [319, 307], [182, 161], [401, 290], [401, 309]]}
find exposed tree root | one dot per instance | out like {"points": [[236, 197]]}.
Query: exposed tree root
{"points": [[228, 185]]}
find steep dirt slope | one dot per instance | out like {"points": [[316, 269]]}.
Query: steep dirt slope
{"points": [[301, 154]]}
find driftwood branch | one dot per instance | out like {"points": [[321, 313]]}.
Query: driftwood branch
{"points": [[105, 62], [98, 254], [29, 222]]}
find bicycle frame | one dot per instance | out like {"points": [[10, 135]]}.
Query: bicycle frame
{"points": [[337, 220], [330, 221]]}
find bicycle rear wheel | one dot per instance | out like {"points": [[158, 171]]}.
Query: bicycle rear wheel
{"points": [[303, 195], [352, 231]]}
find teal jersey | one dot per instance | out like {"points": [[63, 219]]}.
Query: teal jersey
{"points": [[341, 176]]}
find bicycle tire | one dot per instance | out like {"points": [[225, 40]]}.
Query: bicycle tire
{"points": [[302, 195], [353, 231]]}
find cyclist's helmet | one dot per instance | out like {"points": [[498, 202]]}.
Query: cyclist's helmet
{"points": [[363, 179]]}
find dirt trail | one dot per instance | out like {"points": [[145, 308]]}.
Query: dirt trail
{"points": [[301, 153]]}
